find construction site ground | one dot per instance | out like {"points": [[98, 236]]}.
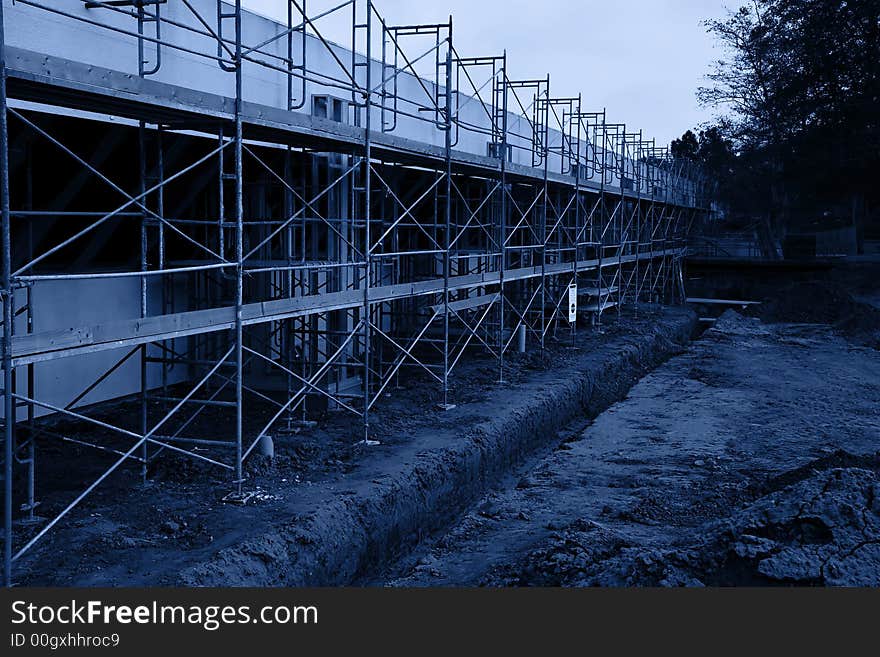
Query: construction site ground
{"points": [[328, 509], [751, 459], [623, 456]]}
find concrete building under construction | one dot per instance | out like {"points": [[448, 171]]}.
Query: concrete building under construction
{"points": [[202, 206]]}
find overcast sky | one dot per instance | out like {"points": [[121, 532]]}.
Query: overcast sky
{"points": [[640, 59]]}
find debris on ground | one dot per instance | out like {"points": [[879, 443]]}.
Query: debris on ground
{"points": [[249, 497]]}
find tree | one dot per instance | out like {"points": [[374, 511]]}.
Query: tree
{"points": [[713, 152], [685, 148], [712, 149], [799, 93]]}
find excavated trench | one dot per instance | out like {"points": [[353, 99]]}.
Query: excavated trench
{"points": [[751, 458], [427, 483], [705, 471], [326, 511]]}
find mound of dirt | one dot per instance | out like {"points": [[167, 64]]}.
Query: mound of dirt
{"points": [[820, 527], [812, 302], [822, 302], [862, 326], [824, 530], [732, 323]]}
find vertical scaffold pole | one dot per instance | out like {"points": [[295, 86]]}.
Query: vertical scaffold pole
{"points": [[543, 233], [447, 216], [31, 370], [368, 81], [503, 218], [637, 181], [239, 251], [142, 187], [604, 220], [165, 281], [8, 419], [621, 241], [577, 209], [669, 198], [603, 210], [142, 172]]}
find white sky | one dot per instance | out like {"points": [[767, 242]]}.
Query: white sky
{"points": [[641, 59]]}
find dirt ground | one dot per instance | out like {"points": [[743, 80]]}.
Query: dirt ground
{"points": [[133, 533], [750, 459]]}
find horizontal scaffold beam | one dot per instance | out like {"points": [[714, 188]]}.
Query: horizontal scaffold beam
{"points": [[466, 304], [60, 343]]}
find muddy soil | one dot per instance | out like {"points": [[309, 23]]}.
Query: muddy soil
{"points": [[322, 494], [751, 459]]}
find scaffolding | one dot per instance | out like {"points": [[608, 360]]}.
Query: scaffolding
{"points": [[398, 208]]}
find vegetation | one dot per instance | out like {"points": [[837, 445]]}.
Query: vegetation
{"points": [[797, 137]]}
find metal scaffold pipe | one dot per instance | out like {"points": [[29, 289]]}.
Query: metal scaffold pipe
{"points": [[239, 251], [402, 211], [8, 312]]}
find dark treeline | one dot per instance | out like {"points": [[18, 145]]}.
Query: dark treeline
{"points": [[797, 140]]}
